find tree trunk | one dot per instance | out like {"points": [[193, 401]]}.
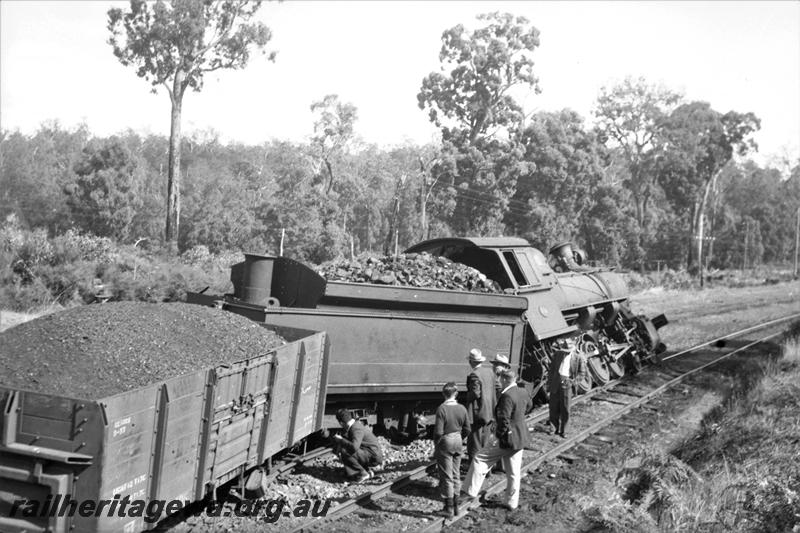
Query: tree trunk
{"points": [[423, 204], [700, 236], [712, 220], [392, 226], [692, 234], [174, 170]]}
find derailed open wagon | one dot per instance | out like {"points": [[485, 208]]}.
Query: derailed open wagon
{"points": [[122, 462]]}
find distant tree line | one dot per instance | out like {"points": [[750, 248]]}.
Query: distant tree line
{"points": [[653, 178]]}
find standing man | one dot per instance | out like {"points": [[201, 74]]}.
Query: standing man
{"points": [[512, 437], [499, 363], [565, 367], [451, 427], [359, 449], [481, 402]]}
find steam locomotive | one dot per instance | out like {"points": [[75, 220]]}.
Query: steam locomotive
{"points": [[393, 347]]}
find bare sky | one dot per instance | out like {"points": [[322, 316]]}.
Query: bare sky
{"points": [[736, 55]]}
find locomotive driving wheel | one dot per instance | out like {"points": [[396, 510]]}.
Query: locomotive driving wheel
{"points": [[598, 367], [595, 361]]}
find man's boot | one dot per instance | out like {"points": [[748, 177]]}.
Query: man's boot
{"points": [[447, 510], [456, 510]]}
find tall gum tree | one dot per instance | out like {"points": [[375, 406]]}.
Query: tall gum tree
{"points": [[472, 99], [334, 129], [699, 142], [631, 115], [559, 189], [173, 44]]}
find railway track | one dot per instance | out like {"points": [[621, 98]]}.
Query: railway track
{"points": [[606, 406]]}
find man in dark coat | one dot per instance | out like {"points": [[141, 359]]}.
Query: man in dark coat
{"points": [[512, 437], [566, 367], [359, 449], [480, 402]]}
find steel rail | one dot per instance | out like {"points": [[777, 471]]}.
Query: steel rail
{"points": [[440, 522], [423, 470], [734, 334], [540, 414]]}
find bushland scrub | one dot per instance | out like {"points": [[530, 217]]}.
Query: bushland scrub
{"points": [[740, 472], [40, 273]]}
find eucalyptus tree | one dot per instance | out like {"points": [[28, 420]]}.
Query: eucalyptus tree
{"points": [[473, 99], [173, 44], [105, 197], [560, 186], [701, 142], [334, 129], [631, 115]]}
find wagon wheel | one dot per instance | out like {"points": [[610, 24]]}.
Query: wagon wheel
{"points": [[616, 369], [599, 369]]}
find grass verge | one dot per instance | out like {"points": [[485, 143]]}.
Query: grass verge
{"points": [[740, 472]]}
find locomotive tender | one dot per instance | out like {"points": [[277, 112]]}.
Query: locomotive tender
{"points": [[393, 347]]}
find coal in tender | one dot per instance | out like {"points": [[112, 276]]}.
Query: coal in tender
{"points": [[95, 351], [413, 270]]}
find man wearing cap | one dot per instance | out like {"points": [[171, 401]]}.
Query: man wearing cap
{"points": [[481, 401], [565, 367]]}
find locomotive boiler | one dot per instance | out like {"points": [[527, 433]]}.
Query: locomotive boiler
{"points": [[393, 347]]}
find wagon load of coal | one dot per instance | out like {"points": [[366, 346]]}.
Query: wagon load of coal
{"points": [[414, 270], [95, 351]]}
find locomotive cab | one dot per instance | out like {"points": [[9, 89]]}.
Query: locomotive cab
{"points": [[511, 262], [566, 298]]}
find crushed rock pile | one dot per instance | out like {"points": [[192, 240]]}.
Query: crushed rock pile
{"points": [[415, 270], [95, 351]]}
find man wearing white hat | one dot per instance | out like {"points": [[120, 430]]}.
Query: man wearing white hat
{"points": [[481, 401], [500, 362]]}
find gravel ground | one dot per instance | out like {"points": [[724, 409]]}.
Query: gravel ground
{"points": [[95, 351], [319, 480]]}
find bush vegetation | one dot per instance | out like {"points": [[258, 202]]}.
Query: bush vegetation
{"points": [[739, 473], [38, 272]]}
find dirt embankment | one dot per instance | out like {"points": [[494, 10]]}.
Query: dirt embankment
{"points": [[717, 453]]}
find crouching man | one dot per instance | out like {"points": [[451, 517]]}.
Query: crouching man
{"points": [[359, 449]]}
